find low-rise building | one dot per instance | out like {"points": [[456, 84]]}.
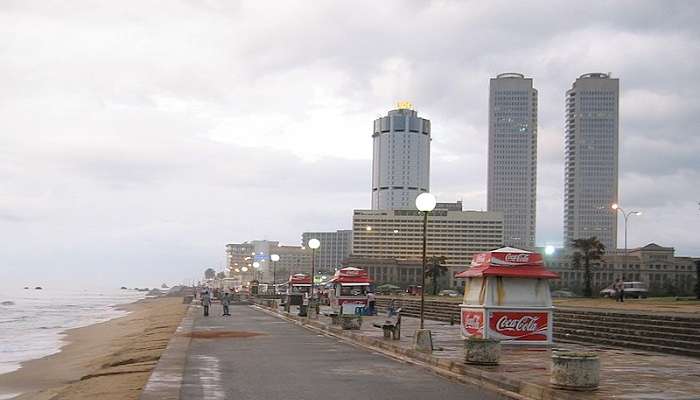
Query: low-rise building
{"points": [[658, 267], [398, 234]]}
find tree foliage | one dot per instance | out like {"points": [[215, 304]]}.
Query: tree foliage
{"points": [[209, 273], [435, 269], [697, 279], [586, 252]]}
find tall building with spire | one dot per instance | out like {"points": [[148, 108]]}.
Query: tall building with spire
{"points": [[401, 159], [512, 161], [591, 159]]}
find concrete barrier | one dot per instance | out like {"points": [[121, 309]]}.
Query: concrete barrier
{"points": [[482, 351], [575, 371]]}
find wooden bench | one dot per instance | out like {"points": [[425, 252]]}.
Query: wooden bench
{"points": [[334, 315], [391, 327]]}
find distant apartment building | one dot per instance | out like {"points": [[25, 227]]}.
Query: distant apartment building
{"points": [[591, 159], [401, 159], [398, 234], [512, 157], [658, 267], [293, 259], [335, 247]]}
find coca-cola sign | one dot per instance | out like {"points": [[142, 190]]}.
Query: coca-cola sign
{"points": [[519, 325], [517, 257], [472, 323]]}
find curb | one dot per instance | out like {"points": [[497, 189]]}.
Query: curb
{"points": [[498, 383], [167, 377]]}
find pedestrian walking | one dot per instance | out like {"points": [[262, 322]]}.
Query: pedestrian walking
{"points": [[225, 302], [620, 290], [206, 302], [372, 301]]}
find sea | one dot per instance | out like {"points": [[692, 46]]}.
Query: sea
{"points": [[32, 322]]}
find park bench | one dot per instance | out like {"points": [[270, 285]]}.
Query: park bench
{"points": [[391, 326], [334, 316]]}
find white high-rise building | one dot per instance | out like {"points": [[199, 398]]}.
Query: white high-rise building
{"points": [[401, 159], [591, 159], [512, 165]]}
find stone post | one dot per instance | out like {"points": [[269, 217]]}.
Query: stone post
{"points": [[423, 341], [482, 351], [575, 371]]}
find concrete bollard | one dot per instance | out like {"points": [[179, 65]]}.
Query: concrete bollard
{"points": [[350, 322], [575, 371], [482, 351], [423, 341]]}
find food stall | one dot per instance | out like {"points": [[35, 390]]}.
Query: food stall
{"points": [[349, 290], [298, 287], [506, 297]]}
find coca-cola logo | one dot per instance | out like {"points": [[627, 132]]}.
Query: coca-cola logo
{"points": [[517, 258], [526, 323], [473, 322]]}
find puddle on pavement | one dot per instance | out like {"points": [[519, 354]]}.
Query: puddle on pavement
{"points": [[222, 334]]}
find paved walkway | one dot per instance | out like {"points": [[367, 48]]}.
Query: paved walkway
{"points": [[253, 355], [625, 373]]}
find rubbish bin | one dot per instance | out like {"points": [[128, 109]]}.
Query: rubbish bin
{"points": [[303, 308]]}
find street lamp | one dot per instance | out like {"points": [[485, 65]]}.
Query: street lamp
{"points": [[257, 271], [626, 216], [425, 203], [313, 245], [274, 258]]}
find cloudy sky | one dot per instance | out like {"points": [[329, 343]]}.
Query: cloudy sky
{"points": [[137, 138]]}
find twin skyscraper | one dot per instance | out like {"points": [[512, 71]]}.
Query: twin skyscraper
{"points": [[401, 158]]}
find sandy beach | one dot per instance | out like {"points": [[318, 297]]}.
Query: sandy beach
{"points": [[112, 360]]}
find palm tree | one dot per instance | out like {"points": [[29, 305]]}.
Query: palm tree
{"points": [[209, 273], [436, 269], [697, 278], [586, 251]]}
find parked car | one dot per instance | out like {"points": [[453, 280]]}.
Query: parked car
{"points": [[449, 293], [563, 293], [637, 290]]}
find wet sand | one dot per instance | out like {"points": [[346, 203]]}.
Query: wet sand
{"points": [[112, 360]]}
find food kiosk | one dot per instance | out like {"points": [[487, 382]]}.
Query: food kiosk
{"points": [[298, 287], [349, 290], [506, 297]]}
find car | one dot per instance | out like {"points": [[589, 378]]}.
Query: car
{"points": [[449, 293], [563, 293], [637, 290]]}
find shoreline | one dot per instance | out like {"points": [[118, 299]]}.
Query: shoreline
{"points": [[112, 359]]}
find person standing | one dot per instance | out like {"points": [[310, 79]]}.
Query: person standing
{"points": [[206, 302], [225, 302], [372, 301], [620, 289]]}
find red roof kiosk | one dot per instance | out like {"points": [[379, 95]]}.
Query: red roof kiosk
{"points": [[506, 297], [350, 287]]}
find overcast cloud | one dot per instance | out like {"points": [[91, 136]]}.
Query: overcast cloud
{"points": [[138, 138]]}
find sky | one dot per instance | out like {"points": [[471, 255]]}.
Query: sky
{"points": [[137, 138]]}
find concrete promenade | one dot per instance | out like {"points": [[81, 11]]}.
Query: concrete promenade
{"points": [[625, 373], [255, 355]]}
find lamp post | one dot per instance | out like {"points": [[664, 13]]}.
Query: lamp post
{"points": [[626, 216], [256, 271], [425, 203], [313, 245], [274, 258]]}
